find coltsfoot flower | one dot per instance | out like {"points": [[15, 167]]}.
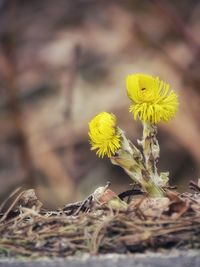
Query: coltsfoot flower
{"points": [[103, 134], [152, 99]]}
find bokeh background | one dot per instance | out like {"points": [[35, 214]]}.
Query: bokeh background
{"points": [[61, 62]]}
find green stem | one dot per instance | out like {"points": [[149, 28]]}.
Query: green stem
{"points": [[146, 183], [153, 190]]}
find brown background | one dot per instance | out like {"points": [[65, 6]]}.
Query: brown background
{"points": [[61, 62]]}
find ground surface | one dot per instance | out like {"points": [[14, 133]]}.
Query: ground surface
{"points": [[141, 226], [175, 258]]}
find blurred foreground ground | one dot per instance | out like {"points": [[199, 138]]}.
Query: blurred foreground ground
{"points": [[61, 62], [176, 258]]}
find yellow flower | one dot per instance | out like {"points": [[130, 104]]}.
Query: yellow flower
{"points": [[152, 99], [103, 134]]}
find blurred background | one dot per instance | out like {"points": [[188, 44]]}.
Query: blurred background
{"points": [[62, 62]]}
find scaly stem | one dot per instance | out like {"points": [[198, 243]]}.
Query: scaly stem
{"points": [[151, 152], [131, 160], [150, 146], [151, 149]]}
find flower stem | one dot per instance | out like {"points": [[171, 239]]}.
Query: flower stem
{"points": [[151, 152], [153, 190], [151, 149], [139, 168]]}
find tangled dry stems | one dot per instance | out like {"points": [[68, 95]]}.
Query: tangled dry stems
{"points": [[28, 230]]}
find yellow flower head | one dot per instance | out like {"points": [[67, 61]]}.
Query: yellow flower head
{"points": [[103, 134], [152, 99]]}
